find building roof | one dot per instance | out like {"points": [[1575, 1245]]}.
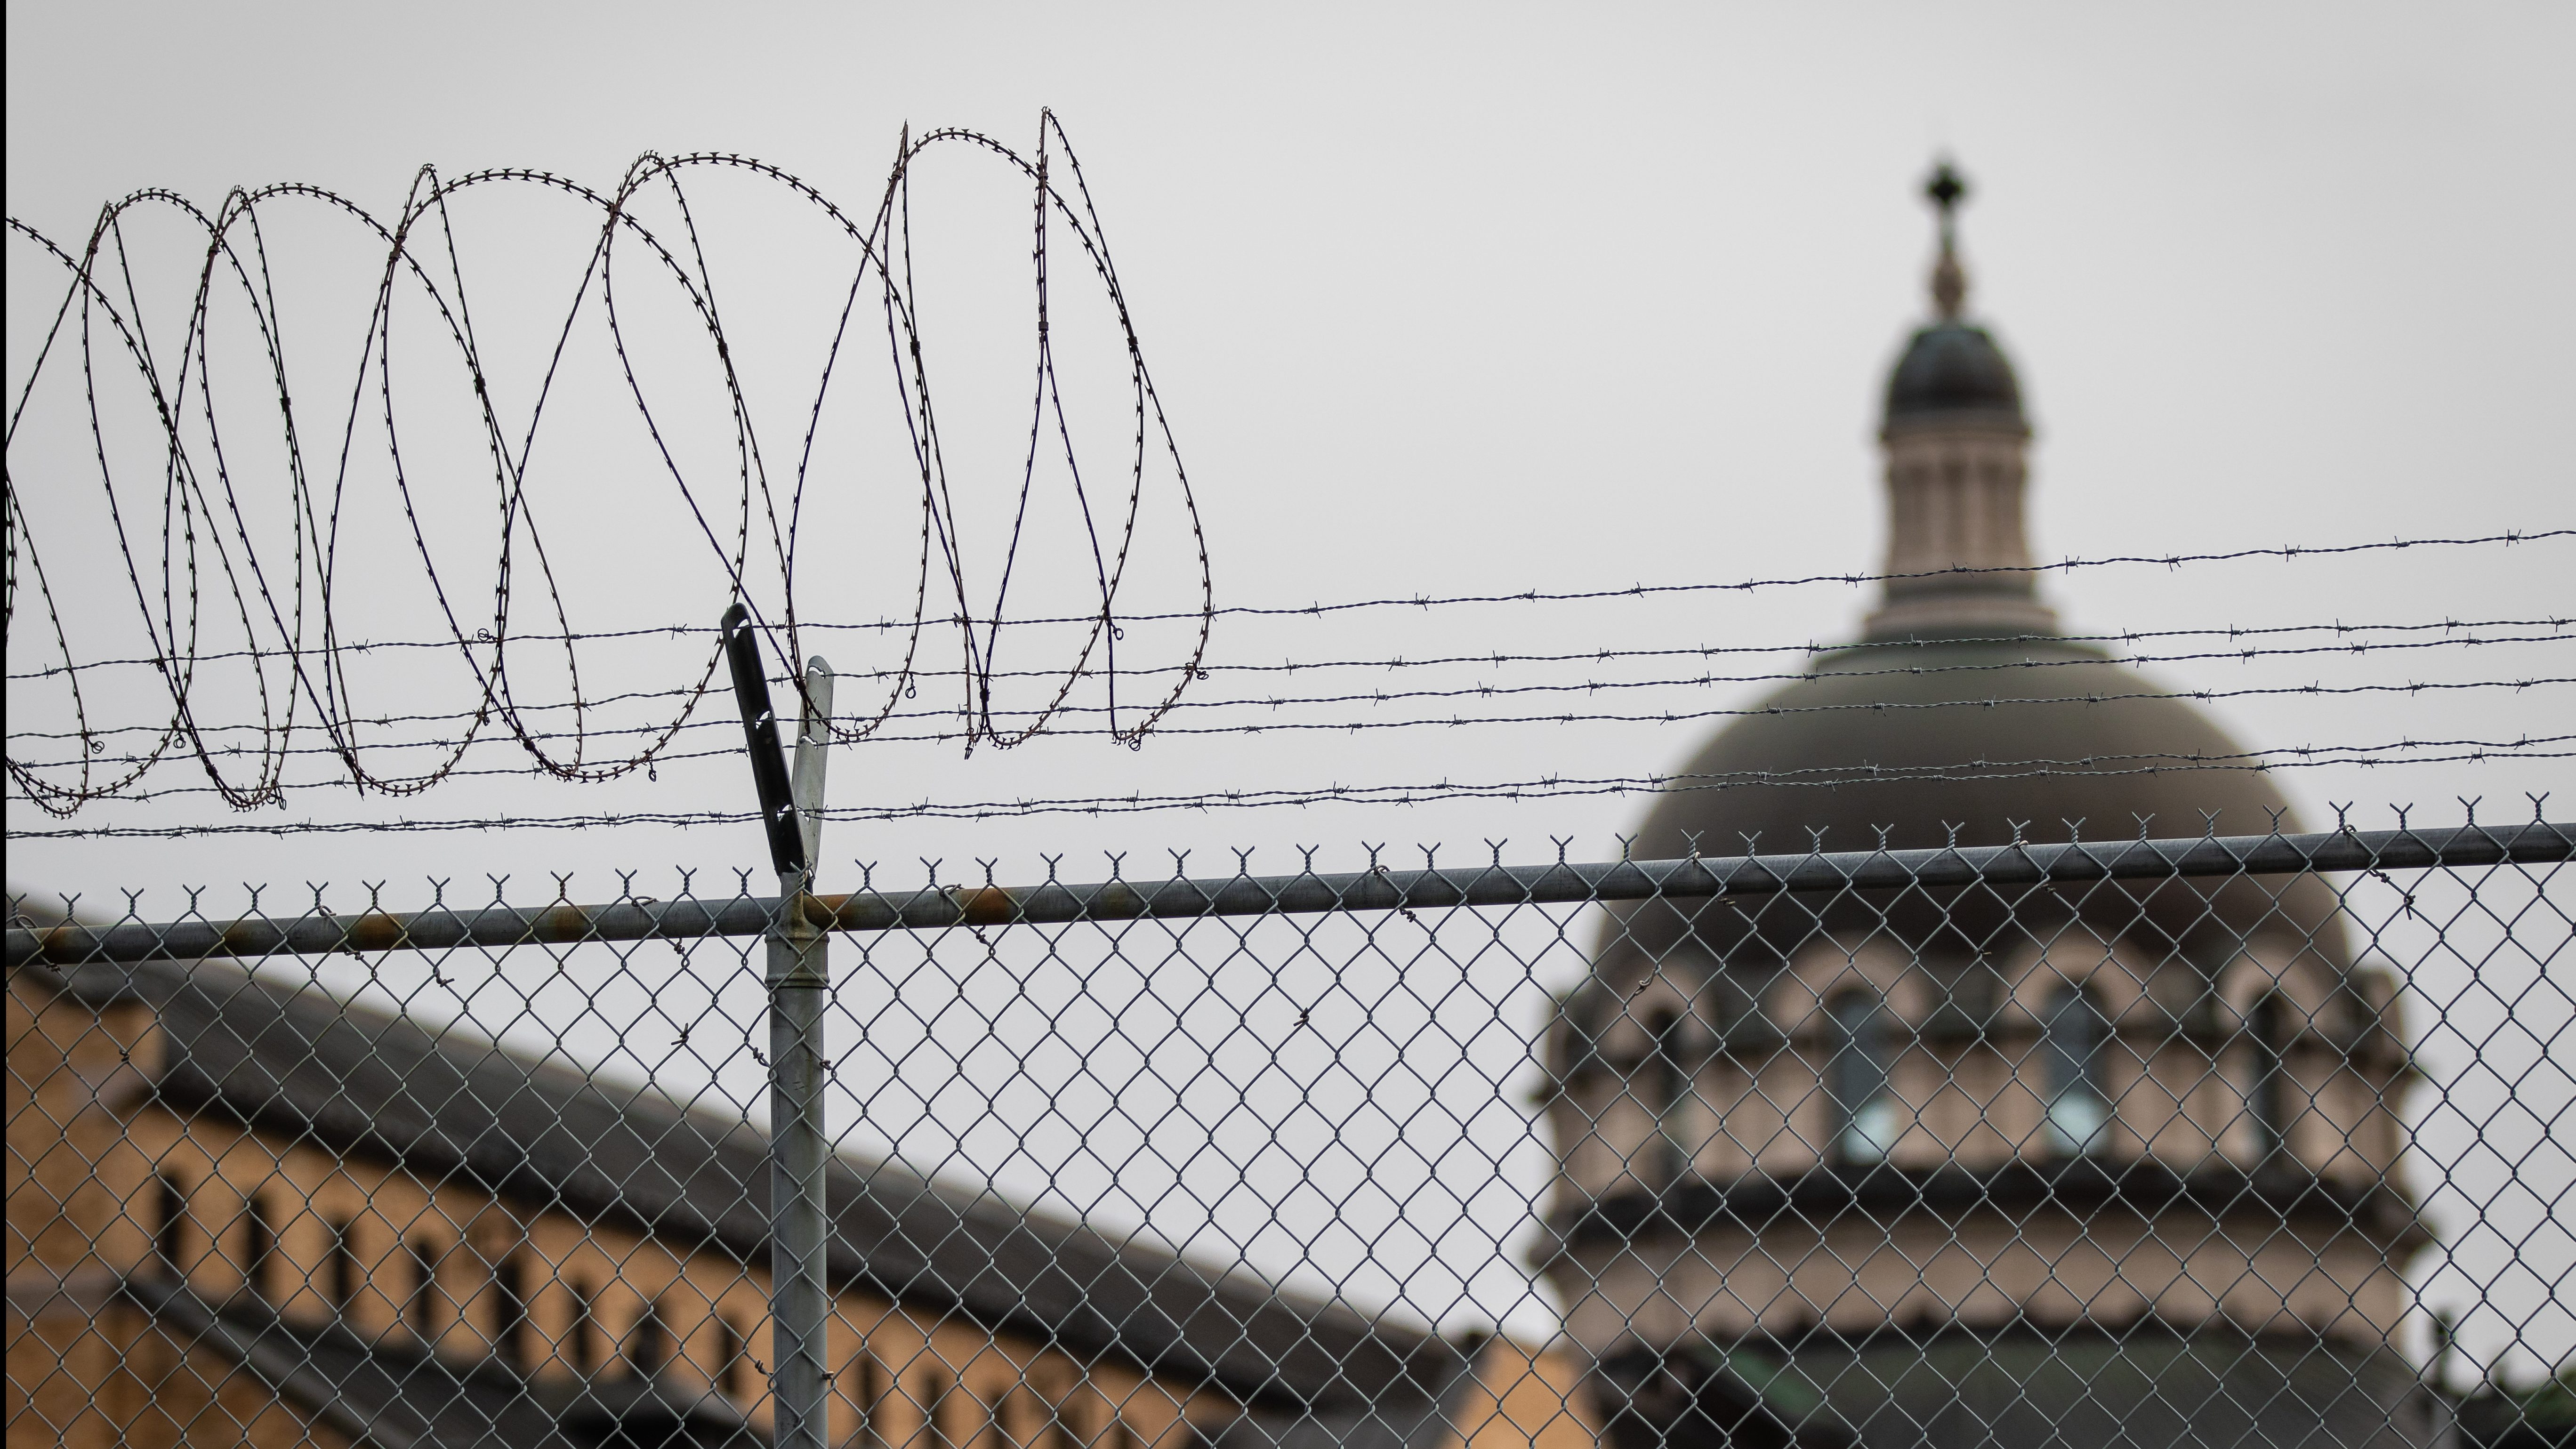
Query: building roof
{"points": [[305, 1066]]}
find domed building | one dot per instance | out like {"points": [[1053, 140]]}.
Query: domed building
{"points": [[2109, 1164]]}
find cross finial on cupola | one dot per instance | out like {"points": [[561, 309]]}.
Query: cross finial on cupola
{"points": [[1946, 189]]}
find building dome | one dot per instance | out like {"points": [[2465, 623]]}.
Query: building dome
{"points": [[2044, 731], [1950, 368], [1963, 717], [1968, 741]]}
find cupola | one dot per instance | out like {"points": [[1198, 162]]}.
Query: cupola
{"points": [[1958, 551]]}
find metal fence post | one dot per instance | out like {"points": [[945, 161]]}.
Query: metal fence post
{"points": [[799, 979]]}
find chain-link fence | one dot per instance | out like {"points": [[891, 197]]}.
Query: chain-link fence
{"points": [[2233, 1141]]}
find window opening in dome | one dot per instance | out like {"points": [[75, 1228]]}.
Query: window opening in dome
{"points": [[1865, 1117], [2267, 1095], [1665, 1088], [2076, 1038]]}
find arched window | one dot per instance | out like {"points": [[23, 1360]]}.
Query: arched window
{"points": [[1060, 1432], [584, 1331], [170, 1224], [730, 1368], [423, 1307], [259, 1245], [735, 1378], [648, 1352], [510, 1310], [988, 1422], [2075, 1042], [937, 1389], [1864, 1110], [2267, 1086], [343, 1273], [1666, 1086]]}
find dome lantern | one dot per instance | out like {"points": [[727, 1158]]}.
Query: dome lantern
{"points": [[1957, 442]]}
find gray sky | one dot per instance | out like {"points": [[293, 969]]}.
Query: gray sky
{"points": [[1497, 298]]}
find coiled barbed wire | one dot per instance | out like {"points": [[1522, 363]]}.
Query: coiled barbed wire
{"points": [[215, 570]]}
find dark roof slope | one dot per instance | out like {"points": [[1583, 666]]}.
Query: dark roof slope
{"points": [[302, 1064]]}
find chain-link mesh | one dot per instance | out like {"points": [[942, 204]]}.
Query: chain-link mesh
{"points": [[2232, 1142]]}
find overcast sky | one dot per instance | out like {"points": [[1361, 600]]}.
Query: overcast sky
{"points": [[1481, 301], [1496, 298]]}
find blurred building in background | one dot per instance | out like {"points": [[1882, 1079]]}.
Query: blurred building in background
{"points": [[241, 1213], [2098, 1165]]}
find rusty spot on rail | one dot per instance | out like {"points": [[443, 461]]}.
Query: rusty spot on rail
{"points": [[988, 906], [562, 923], [375, 931]]}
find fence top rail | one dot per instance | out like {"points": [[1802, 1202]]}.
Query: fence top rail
{"points": [[931, 908]]}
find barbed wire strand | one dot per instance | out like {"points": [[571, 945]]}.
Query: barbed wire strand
{"points": [[93, 737], [1665, 717], [2399, 752], [1808, 647]]}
